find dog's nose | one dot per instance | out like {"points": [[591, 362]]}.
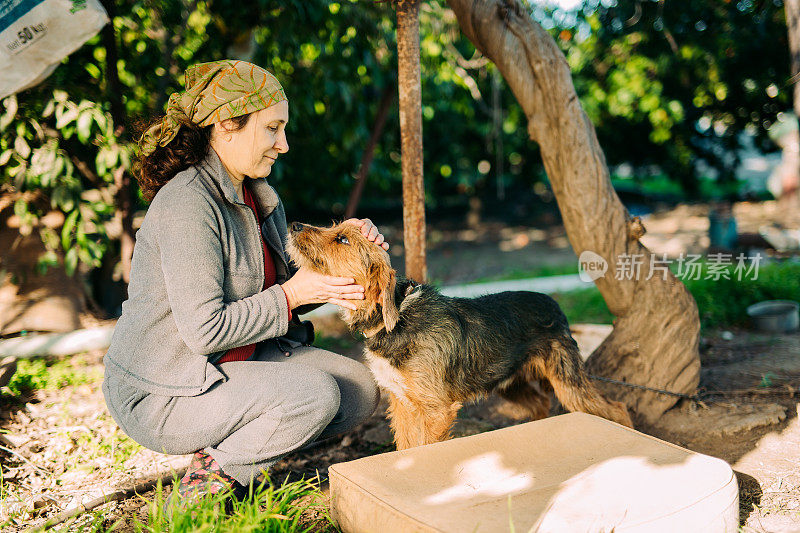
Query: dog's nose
{"points": [[297, 227]]}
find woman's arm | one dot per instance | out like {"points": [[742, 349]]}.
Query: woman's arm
{"points": [[191, 259]]}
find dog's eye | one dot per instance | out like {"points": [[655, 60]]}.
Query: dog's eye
{"points": [[341, 239]]}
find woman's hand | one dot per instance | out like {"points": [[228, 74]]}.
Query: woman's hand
{"points": [[307, 287], [369, 230]]}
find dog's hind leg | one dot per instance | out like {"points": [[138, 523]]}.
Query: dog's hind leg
{"points": [[563, 367], [521, 393]]}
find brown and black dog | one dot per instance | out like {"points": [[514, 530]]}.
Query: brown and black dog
{"points": [[432, 353]]}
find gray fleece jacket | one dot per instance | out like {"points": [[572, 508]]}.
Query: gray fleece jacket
{"points": [[196, 282]]}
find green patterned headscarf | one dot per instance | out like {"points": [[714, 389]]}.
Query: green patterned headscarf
{"points": [[214, 92]]}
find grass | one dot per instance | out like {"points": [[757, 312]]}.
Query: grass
{"points": [[52, 374], [720, 302], [297, 507], [724, 302], [584, 305], [540, 272]]}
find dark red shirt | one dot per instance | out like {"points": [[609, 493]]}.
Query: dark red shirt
{"points": [[243, 353]]}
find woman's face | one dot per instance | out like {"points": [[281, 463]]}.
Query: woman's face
{"points": [[252, 150]]}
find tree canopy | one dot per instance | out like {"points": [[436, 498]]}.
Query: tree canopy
{"points": [[666, 84]]}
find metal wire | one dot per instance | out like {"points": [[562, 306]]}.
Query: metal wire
{"points": [[693, 397]]}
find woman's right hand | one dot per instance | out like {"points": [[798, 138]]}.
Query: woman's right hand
{"points": [[307, 287]]}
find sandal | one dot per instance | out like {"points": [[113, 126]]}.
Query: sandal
{"points": [[204, 476]]}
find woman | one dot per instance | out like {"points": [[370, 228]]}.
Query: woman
{"points": [[208, 356]]}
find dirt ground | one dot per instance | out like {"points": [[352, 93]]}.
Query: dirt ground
{"points": [[60, 448]]}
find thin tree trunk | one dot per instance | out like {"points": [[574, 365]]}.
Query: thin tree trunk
{"points": [[656, 333], [792, 9], [369, 151], [497, 134], [122, 179], [410, 89]]}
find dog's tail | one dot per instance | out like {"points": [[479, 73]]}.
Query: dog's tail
{"points": [[563, 368]]}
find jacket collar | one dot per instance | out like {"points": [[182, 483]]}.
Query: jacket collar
{"points": [[264, 195]]}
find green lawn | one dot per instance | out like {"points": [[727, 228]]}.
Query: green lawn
{"points": [[721, 303]]}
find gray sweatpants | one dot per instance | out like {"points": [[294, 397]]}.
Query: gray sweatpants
{"points": [[269, 406]]}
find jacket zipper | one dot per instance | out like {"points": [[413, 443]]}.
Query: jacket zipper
{"points": [[264, 239]]}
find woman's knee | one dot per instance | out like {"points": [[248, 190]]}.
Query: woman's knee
{"points": [[364, 390], [369, 394], [319, 393]]}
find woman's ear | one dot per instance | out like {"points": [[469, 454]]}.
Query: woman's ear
{"points": [[224, 129]]}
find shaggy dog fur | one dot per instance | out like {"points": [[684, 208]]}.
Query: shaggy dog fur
{"points": [[432, 353]]}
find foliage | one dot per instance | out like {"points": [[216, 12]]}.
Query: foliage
{"points": [[269, 508], [44, 151], [668, 85], [334, 58]]}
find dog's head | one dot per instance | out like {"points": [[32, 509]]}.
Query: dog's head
{"points": [[341, 250]]}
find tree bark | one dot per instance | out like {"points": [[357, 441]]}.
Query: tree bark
{"points": [[656, 333], [792, 9], [369, 151], [122, 179], [410, 103]]}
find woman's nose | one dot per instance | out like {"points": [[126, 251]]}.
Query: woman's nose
{"points": [[282, 145]]}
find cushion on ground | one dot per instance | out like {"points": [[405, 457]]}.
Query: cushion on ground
{"points": [[574, 472]]}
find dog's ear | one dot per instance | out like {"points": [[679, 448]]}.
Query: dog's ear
{"points": [[380, 290], [390, 312]]}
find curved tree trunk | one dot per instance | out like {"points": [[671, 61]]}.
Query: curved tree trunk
{"points": [[656, 333]]}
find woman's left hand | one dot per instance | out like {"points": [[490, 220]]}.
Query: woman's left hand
{"points": [[369, 230]]}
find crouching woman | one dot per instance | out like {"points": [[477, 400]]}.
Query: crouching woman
{"points": [[208, 357]]}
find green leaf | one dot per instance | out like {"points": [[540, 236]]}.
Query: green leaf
{"points": [[100, 118], [45, 261], [66, 230], [66, 116], [22, 147], [49, 109], [84, 126], [71, 260], [80, 235], [21, 208], [10, 104], [84, 255]]}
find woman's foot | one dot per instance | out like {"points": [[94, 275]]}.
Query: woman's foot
{"points": [[204, 476]]}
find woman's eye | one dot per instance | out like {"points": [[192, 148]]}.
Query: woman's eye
{"points": [[273, 129], [341, 239]]}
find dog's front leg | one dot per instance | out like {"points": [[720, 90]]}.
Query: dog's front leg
{"points": [[416, 424], [405, 421], [436, 421]]}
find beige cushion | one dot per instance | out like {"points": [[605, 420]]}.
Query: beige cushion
{"points": [[575, 472]]}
